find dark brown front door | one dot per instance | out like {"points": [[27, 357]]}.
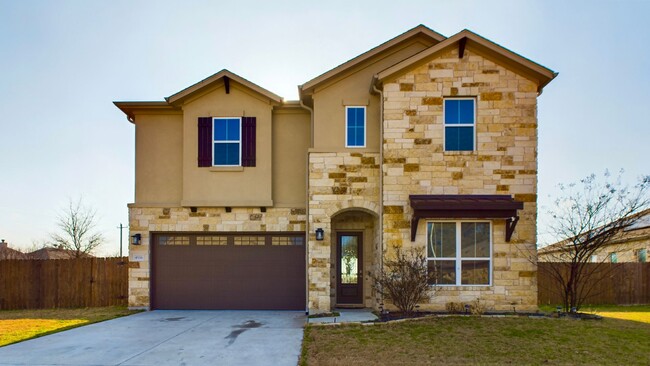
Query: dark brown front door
{"points": [[349, 277], [228, 271]]}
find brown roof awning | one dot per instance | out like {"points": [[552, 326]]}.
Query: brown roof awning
{"points": [[465, 207]]}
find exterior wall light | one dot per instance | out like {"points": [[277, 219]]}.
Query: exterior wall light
{"points": [[320, 234], [136, 239]]}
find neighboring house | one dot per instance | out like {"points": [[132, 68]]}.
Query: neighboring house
{"points": [[246, 201], [8, 253], [54, 253], [632, 245]]}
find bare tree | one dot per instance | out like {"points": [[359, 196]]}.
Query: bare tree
{"points": [[406, 280], [77, 230], [587, 216]]}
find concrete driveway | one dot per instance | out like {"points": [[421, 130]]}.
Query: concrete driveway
{"points": [[170, 338]]}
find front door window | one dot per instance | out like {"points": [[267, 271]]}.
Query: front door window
{"points": [[349, 269], [349, 259]]}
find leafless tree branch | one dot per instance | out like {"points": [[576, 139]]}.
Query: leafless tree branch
{"points": [[587, 217], [77, 230]]}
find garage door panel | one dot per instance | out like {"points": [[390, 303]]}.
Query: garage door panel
{"points": [[229, 276]]}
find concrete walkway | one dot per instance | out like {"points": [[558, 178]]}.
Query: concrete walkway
{"points": [[170, 338]]}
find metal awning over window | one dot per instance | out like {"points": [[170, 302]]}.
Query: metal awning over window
{"points": [[465, 207]]}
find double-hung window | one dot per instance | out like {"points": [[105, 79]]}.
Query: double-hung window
{"points": [[460, 121], [226, 141], [459, 253], [355, 126], [642, 255]]}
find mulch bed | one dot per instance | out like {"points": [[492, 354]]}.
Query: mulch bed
{"points": [[396, 315]]}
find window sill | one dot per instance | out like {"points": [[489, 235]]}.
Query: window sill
{"points": [[460, 152], [227, 169]]}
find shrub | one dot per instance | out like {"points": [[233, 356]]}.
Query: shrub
{"points": [[405, 280], [477, 308], [455, 307]]}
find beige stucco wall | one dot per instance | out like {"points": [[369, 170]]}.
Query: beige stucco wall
{"points": [[291, 138], [143, 220], [248, 186], [353, 89], [158, 158], [504, 162]]}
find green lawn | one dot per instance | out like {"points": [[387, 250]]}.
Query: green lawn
{"points": [[639, 313], [20, 325], [477, 340]]}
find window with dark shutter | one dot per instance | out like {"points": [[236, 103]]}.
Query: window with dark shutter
{"points": [[221, 135], [248, 141], [205, 142]]}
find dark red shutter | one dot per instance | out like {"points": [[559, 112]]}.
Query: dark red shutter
{"points": [[205, 141], [248, 141]]}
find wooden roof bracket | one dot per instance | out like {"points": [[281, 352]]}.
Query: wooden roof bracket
{"points": [[414, 226], [511, 223], [226, 83], [461, 47]]}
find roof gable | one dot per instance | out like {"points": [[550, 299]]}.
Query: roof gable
{"points": [[411, 34], [466, 38], [222, 76]]}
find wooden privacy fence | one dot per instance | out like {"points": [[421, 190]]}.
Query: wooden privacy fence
{"points": [[63, 283], [613, 284]]}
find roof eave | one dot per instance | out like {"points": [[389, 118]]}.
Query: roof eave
{"points": [[218, 77], [541, 74], [308, 87], [129, 107]]}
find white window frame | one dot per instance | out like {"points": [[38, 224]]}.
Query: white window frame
{"points": [[458, 259], [365, 128], [444, 123], [226, 141]]}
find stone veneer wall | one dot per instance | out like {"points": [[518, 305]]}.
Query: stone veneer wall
{"points": [[143, 220], [504, 162], [337, 181]]}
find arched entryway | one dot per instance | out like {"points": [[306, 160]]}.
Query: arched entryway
{"points": [[354, 257]]}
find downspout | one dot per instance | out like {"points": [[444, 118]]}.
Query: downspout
{"points": [[307, 223], [381, 175], [311, 113]]}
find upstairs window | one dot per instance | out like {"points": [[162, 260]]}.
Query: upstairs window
{"points": [[460, 118], [355, 126], [226, 141]]}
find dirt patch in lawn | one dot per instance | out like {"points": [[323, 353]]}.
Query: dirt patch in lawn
{"points": [[20, 325], [479, 340]]}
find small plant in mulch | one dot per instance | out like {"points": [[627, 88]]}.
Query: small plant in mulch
{"points": [[325, 315], [475, 307]]}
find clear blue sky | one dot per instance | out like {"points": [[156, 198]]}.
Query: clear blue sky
{"points": [[63, 63]]}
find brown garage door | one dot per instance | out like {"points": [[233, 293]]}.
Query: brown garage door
{"points": [[228, 271]]}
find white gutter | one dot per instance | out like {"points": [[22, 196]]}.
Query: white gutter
{"points": [[307, 223]]}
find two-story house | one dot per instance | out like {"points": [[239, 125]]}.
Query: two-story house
{"points": [[246, 201]]}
